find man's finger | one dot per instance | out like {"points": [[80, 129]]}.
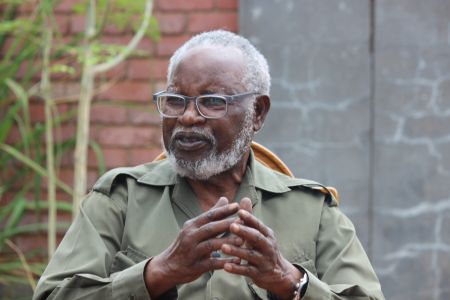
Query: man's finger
{"points": [[213, 229], [253, 222], [219, 211], [252, 256], [206, 247], [252, 237], [211, 263], [246, 204], [245, 270]]}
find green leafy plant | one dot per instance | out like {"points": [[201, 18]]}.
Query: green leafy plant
{"points": [[32, 194]]}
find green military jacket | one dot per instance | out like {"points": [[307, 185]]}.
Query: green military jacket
{"points": [[133, 214]]}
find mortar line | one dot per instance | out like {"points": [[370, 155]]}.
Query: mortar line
{"points": [[372, 85]]}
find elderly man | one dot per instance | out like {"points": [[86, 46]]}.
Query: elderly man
{"points": [[210, 222]]}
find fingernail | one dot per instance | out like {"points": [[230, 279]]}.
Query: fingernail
{"points": [[226, 248], [234, 227]]}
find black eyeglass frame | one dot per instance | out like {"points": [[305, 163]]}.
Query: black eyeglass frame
{"points": [[227, 98]]}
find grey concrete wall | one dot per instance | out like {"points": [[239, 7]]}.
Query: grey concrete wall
{"points": [[361, 101]]}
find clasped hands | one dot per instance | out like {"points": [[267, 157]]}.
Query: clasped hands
{"points": [[190, 255]]}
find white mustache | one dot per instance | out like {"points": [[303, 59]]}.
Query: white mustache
{"points": [[206, 134], [197, 130]]}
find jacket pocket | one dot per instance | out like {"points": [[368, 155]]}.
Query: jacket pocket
{"points": [[126, 258]]}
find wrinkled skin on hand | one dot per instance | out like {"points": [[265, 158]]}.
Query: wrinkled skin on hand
{"points": [[189, 256], [265, 266]]}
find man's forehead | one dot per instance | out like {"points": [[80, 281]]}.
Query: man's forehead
{"points": [[218, 67]]}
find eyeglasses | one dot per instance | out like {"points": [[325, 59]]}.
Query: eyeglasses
{"points": [[209, 106]]}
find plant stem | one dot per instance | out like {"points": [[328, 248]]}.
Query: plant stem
{"points": [[84, 105], [25, 265], [46, 88], [131, 45]]}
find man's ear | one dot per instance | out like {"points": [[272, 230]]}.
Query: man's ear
{"points": [[262, 107]]}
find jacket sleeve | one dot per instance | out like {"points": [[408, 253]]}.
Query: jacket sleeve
{"points": [[81, 266], [343, 268]]}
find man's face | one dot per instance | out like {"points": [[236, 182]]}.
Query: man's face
{"points": [[198, 147]]}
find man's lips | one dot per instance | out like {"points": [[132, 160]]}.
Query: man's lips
{"points": [[190, 141]]}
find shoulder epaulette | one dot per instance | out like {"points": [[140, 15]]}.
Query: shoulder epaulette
{"points": [[331, 194]]}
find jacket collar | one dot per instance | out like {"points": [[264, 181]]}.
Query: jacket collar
{"points": [[161, 173]]}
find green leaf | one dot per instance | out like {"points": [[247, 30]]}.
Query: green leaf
{"points": [[14, 25], [36, 167], [8, 121], [40, 204], [16, 214], [30, 228], [58, 68]]}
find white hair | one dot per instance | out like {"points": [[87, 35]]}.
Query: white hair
{"points": [[256, 74]]}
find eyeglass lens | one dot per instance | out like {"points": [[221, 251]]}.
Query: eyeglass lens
{"points": [[208, 106]]}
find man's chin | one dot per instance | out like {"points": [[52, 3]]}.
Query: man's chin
{"points": [[201, 168]]}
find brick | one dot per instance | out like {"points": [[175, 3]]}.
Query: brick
{"points": [[77, 23], [64, 197], [204, 21], [37, 112], [92, 177], [62, 23], [66, 176], [58, 90], [147, 115], [127, 136], [114, 157], [128, 90], [31, 242], [146, 68], [139, 69], [113, 29], [118, 72], [146, 45], [158, 68], [72, 89], [24, 8], [64, 132], [65, 6], [13, 136], [143, 155], [108, 114], [168, 44], [171, 23], [27, 66], [159, 85], [184, 5], [227, 4]]}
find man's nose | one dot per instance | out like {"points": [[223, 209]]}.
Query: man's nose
{"points": [[191, 115]]}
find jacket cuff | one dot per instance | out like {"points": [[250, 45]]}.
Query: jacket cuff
{"points": [[129, 283], [316, 288]]}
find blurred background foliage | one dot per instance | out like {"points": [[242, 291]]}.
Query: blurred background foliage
{"points": [[33, 51]]}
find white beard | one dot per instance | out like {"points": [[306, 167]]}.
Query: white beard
{"points": [[214, 162]]}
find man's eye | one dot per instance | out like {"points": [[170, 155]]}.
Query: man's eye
{"points": [[212, 102], [174, 101]]}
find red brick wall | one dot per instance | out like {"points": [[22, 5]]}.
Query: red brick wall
{"points": [[130, 134]]}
